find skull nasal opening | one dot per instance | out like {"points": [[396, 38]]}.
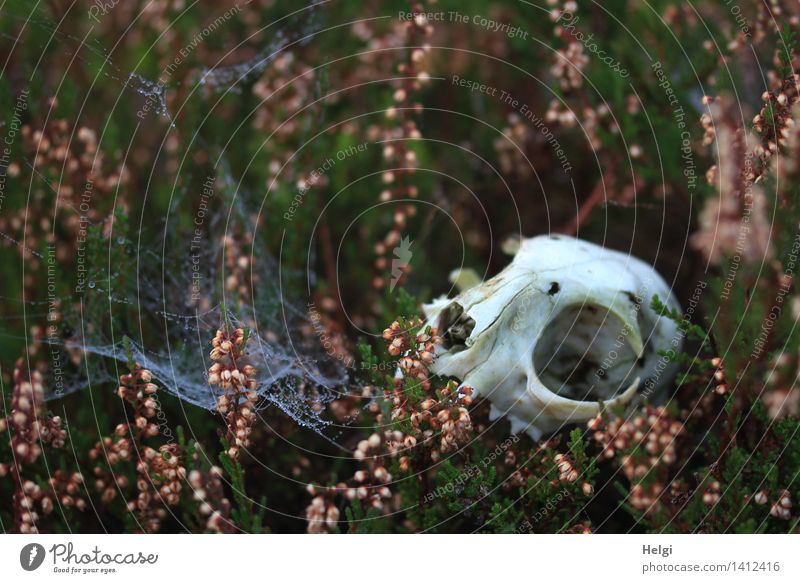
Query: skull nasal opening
{"points": [[584, 354], [454, 327]]}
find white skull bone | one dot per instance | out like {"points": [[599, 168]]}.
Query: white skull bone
{"points": [[557, 334]]}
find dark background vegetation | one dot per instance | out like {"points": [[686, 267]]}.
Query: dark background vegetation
{"points": [[270, 93]]}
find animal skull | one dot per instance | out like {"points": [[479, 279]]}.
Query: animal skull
{"points": [[557, 334]]}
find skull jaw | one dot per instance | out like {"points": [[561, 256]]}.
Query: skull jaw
{"points": [[520, 395], [518, 392], [539, 415]]}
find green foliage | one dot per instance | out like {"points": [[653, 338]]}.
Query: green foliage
{"points": [[693, 367], [478, 180], [691, 330], [246, 513]]}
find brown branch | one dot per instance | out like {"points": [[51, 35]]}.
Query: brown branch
{"points": [[595, 198]]}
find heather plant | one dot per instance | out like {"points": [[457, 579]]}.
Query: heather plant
{"points": [[219, 224]]}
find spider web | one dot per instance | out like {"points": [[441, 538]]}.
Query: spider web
{"points": [[167, 329], [174, 344]]}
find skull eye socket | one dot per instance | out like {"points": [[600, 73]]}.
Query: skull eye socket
{"points": [[455, 326], [584, 354]]}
